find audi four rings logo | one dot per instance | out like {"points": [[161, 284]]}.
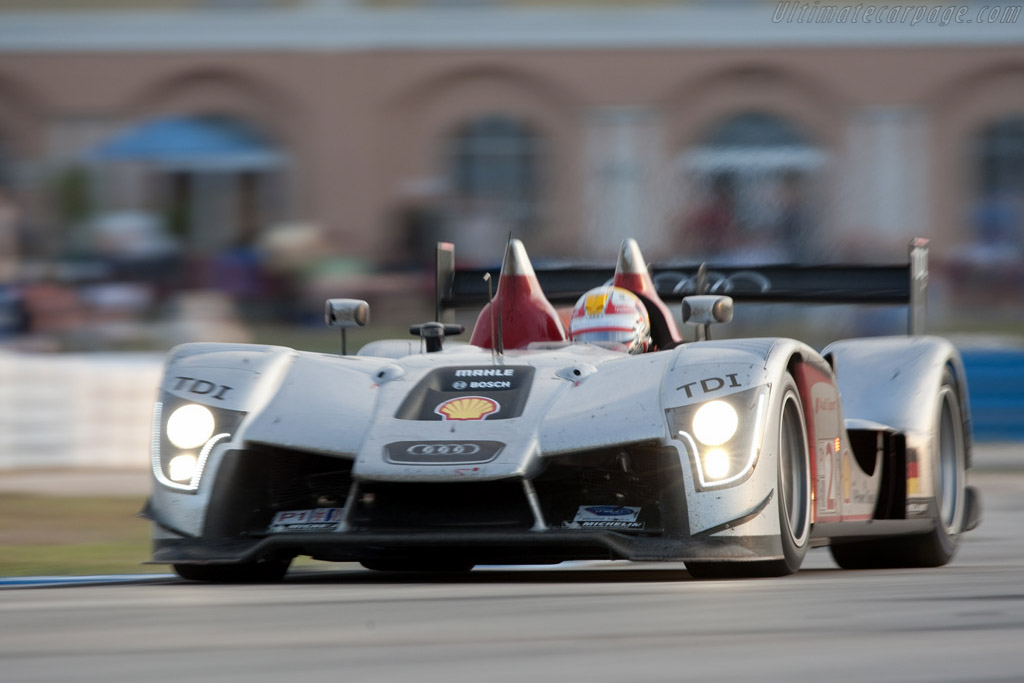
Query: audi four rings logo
{"points": [[442, 452], [443, 449], [717, 283]]}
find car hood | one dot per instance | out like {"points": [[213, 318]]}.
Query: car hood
{"points": [[463, 412]]}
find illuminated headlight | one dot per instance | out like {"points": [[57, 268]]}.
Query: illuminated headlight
{"points": [[190, 426], [182, 468], [717, 464], [723, 436], [715, 423], [184, 440]]}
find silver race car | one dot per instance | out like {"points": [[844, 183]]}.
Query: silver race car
{"points": [[534, 443]]}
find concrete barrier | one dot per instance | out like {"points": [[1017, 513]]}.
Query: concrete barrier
{"points": [[74, 410]]}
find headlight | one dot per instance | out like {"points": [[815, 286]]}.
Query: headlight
{"points": [[715, 423], [183, 441], [190, 426], [716, 464], [723, 436], [182, 468]]}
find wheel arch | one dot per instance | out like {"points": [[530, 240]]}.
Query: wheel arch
{"points": [[895, 382], [888, 379]]}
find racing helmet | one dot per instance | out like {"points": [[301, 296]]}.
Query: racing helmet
{"points": [[611, 315]]}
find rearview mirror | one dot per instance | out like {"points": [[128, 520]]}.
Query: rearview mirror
{"points": [[346, 313], [706, 309]]}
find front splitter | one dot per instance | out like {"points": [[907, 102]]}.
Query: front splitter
{"points": [[526, 547]]}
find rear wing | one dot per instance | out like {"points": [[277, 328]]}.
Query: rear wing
{"points": [[902, 284]]}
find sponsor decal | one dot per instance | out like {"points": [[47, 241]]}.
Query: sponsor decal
{"points": [[469, 393], [482, 379], [917, 509], [710, 384], [486, 372], [601, 511], [824, 404], [605, 517], [467, 408], [442, 452], [203, 387], [319, 519], [491, 385]]}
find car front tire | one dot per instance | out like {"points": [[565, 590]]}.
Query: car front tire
{"points": [[793, 499]]}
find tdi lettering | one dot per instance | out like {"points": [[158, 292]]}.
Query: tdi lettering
{"points": [[202, 387], [710, 384]]}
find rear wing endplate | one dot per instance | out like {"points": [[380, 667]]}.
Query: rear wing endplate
{"points": [[902, 284]]}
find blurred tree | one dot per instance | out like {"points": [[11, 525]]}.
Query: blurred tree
{"points": [[73, 195]]}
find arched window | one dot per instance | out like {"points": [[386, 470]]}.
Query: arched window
{"points": [[494, 162], [999, 157], [752, 184], [755, 130]]}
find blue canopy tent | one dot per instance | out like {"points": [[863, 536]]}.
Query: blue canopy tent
{"points": [[190, 144], [212, 172]]}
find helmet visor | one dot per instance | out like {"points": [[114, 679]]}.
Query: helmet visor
{"points": [[606, 334]]}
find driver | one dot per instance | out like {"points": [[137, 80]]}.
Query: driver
{"points": [[611, 315]]}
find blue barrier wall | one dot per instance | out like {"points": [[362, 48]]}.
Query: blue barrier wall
{"points": [[995, 381]]}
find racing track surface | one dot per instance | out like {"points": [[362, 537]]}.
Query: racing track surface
{"points": [[589, 623]]}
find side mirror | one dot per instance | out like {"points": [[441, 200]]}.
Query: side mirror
{"points": [[346, 313], [706, 309]]}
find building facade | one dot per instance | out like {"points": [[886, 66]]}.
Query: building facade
{"points": [[574, 124]]}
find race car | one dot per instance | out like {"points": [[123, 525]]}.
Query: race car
{"points": [[614, 439]]}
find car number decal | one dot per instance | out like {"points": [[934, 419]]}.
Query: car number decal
{"points": [[828, 473]]}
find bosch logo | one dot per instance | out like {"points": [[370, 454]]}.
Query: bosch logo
{"points": [[443, 449], [459, 385]]}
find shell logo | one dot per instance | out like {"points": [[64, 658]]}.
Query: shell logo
{"points": [[467, 408]]}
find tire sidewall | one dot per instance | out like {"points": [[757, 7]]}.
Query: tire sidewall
{"points": [[948, 537], [794, 547]]}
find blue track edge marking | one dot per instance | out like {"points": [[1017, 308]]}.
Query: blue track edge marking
{"points": [[50, 581]]}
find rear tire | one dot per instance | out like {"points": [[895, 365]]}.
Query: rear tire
{"points": [[266, 571], [793, 500], [949, 476]]}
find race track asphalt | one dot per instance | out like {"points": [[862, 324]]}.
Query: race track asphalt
{"points": [[585, 622]]}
